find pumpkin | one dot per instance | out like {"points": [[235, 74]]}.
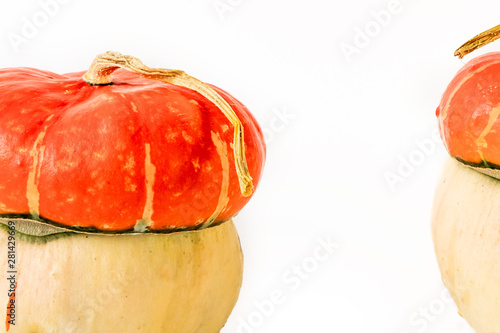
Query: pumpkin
{"points": [[466, 212], [118, 188], [466, 237]]}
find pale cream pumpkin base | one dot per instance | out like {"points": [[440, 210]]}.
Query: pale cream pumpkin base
{"points": [[181, 282], [466, 232]]}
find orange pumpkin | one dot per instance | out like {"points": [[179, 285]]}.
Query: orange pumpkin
{"points": [[140, 148], [468, 112]]}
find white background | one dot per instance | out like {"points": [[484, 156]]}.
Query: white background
{"points": [[337, 125]]}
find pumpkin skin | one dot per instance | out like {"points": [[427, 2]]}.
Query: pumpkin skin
{"points": [[469, 111], [115, 156]]}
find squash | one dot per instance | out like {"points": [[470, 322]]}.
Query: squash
{"points": [[466, 233], [466, 212], [118, 188], [185, 281]]}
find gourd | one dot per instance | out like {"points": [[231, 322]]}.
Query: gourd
{"points": [[466, 212], [117, 191]]}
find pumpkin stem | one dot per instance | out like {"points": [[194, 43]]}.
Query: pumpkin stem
{"points": [[478, 41], [106, 63]]}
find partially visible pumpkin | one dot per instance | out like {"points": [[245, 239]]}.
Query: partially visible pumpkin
{"points": [[468, 112], [121, 186], [466, 213], [181, 282], [466, 233]]}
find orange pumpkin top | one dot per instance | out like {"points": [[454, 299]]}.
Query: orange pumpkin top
{"points": [[137, 154], [469, 112]]}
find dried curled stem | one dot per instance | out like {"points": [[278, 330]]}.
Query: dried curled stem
{"points": [[105, 64], [478, 41]]}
